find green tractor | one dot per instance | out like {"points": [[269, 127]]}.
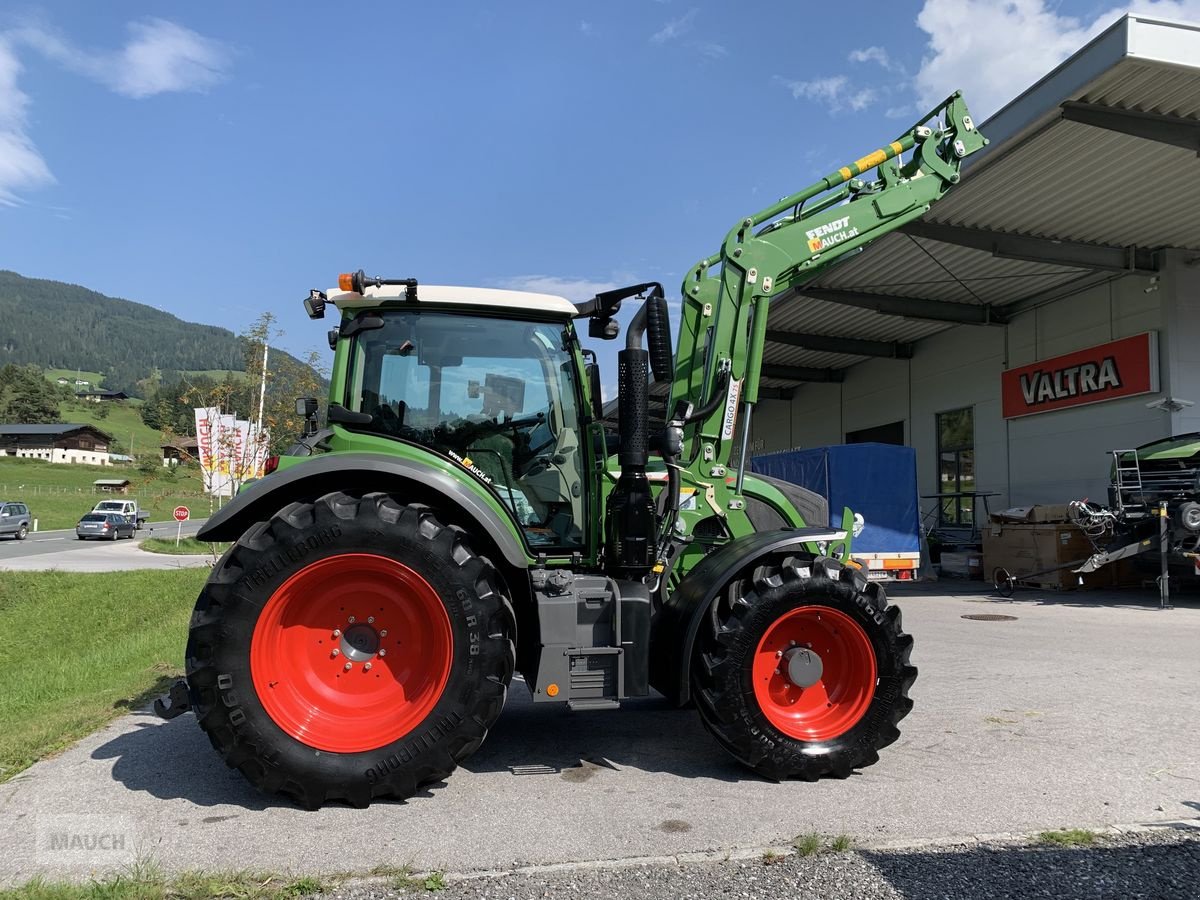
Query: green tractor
{"points": [[463, 517]]}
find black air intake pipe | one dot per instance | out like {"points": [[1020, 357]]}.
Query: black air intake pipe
{"points": [[630, 524]]}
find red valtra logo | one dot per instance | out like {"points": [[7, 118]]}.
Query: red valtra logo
{"points": [[1123, 368]]}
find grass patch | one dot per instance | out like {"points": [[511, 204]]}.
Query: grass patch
{"points": [[146, 881], [118, 641], [59, 493], [187, 545], [807, 844], [435, 881], [1068, 837], [811, 843]]}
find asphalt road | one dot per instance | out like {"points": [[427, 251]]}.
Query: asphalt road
{"points": [[61, 549], [1081, 712]]}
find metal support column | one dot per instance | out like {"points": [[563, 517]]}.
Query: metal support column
{"points": [[1164, 552]]}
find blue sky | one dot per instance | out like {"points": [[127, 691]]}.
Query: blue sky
{"points": [[218, 159]]}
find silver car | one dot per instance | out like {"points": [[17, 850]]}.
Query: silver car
{"points": [[104, 526], [14, 520]]}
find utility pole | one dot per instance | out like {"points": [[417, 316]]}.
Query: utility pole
{"points": [[262, 391]]}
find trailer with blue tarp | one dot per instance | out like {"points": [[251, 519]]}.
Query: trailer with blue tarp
{"points": [[876, 481]]}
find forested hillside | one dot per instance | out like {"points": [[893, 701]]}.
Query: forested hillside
{"points": [[57, 325]]}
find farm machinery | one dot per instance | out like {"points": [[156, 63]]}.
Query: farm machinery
{"points": [[461, 518]]}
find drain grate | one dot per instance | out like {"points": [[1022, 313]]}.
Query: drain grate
{"points": [[989, 617]]}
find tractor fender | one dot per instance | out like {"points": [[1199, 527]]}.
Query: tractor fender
{"points": [[673, 632], [319, 475]]}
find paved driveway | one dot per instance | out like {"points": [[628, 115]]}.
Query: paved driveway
{"points": [[61, 550], [1081, 713]]}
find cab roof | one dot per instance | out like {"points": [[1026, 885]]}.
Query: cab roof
{"points": [[429, 295]]}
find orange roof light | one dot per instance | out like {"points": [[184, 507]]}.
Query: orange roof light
{"points": [[346, 281]]}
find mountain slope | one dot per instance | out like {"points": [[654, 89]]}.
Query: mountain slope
{"points": [[57, 325]]}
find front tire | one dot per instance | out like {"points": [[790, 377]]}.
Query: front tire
{"points": [[349, 649], [803, 670], [22, 533]]}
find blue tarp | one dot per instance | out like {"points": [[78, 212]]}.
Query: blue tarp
{"points": [[878, 481]]}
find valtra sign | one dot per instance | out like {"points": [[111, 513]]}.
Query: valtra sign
{"points": [[1123, 368]]}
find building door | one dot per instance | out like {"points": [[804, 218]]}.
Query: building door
{"points": [[892, 433], [956, 466]]}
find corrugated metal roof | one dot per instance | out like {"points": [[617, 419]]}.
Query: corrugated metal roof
{"points": [[905, 266], [1050, 178]]}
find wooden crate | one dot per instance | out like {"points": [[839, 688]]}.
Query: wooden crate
{"points": [[1022, 549]]}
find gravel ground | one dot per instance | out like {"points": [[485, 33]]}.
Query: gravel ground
{"points": [[1153, 864]]}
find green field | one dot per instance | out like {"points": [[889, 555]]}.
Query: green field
{"points": [[118, 640], [123, 420], [95, 379], [187, 546], [59, 493]]}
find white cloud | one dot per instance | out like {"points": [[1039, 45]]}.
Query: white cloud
{"points": [[21, 166], [876, 55], [574, 289], [711, 49], [675, 27], [994, 51], [835, 92], [159, 57]]}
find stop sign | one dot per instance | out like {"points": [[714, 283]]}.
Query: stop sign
{"points": [[182, 514]]}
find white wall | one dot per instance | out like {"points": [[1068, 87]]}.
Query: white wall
{"points": [[1047, 458], [1179, 343]]}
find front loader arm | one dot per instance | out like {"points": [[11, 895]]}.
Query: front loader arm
{"points": [[777, 250]]}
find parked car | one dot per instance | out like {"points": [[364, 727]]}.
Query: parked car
{"points": [[14, 520], [123, 508], [105, 526]]}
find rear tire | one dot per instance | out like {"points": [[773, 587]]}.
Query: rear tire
{"points": [[265, 669], [22, 533], [862, 672]]}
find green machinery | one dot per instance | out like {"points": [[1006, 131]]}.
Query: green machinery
{"points": [[463, 517]]}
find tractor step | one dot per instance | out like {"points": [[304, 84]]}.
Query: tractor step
{"points": [[584, 705]]}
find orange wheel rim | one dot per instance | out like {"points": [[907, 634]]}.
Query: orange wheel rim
{"points": [[351, 653], [814, 673]]}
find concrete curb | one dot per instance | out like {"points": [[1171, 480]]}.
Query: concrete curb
{"points": [[741, 854]]}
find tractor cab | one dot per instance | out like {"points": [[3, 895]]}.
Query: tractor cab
{"points": [[485, 378]]}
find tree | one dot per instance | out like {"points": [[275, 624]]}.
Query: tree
{"points": [[27, 397], [286, 379]]}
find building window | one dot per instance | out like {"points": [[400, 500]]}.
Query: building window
{"points": [[956, 465], [892, 433]]}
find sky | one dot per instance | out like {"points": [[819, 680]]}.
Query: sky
{"points": [[218, 159]]}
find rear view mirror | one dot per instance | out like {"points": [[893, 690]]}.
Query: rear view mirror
{"points": [[592, 371]]}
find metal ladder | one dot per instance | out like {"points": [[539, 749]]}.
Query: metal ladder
{"points": [[1128, 472]]}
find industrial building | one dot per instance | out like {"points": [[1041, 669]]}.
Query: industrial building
{"points": [[1046, 312]]}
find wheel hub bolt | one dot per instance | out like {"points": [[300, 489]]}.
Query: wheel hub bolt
{"points": [[348, 666], [383, 633], [337, 632], [367, 667], [336, 652], [351, 620], [383, 653], [370, 620]]}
